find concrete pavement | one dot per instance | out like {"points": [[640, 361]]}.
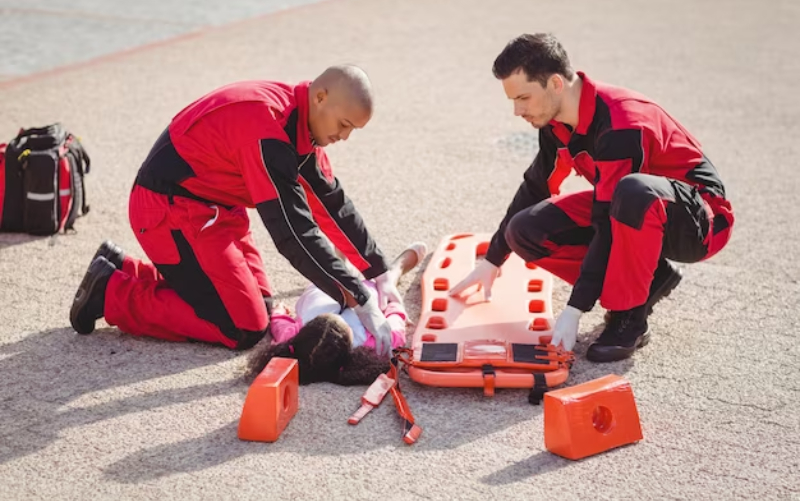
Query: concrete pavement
{"points": [[110, 415]]}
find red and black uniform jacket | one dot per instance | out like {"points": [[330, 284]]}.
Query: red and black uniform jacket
{"points": [[619, 132], [249, 144]]}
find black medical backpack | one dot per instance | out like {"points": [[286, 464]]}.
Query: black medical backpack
{"points": [[41, 181]]}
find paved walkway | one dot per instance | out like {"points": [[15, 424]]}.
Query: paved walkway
{"points": [[113, 416]]}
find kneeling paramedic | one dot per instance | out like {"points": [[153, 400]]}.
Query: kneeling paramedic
{"points": [[249, 144]]}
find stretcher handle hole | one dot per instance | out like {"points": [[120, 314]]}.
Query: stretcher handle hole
{"points": [[437, 323], [531, 266], [439, 304], [460, 236], [481, 249], [539, 324], [450, 246], [429, 338], [446, 263], [536, 306], [535, 285], [441, 284], [603, 419]]}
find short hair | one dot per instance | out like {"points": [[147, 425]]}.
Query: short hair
{"points": [[540, 56]]}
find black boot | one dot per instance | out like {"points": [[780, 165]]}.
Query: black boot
{"points": [[624, 333], [90, 299], [665, 279], [112, 252]]}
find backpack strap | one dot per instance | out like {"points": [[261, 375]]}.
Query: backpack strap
{"points": [[84, 165]]}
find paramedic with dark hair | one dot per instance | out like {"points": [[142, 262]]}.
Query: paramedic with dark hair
{"points": [[250, 144], [656, 198]]}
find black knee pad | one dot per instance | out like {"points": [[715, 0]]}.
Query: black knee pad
{"points": [[525, 237], [633, 196]]}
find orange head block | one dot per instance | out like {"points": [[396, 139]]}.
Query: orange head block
{"points": [[590, 418], [271, 401]]}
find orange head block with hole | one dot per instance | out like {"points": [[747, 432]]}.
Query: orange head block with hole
{"points": [[591, 418], [271, 401]]}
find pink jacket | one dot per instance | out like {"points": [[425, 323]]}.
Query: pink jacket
{"points": [[285, 327]]}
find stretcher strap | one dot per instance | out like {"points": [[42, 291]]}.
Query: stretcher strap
{"points": [[360, 414], [384, 384], [411, 431], [489, 377], [373, 397], [539, 389], [534, 358]]}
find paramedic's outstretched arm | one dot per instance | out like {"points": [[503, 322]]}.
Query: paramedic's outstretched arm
{"points": [[534, 189], [338, 218], [284, 210], [343, 225], [297, 237]]}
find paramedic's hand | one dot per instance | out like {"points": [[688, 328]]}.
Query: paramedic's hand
{"points": [[387, 291], [483, 275], [375, 322], [566, 330]]}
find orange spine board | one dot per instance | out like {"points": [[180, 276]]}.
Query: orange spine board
{"points": [[520, 313]]}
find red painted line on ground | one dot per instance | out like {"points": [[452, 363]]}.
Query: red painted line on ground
{"points": [[83, 14], [114, 56]]}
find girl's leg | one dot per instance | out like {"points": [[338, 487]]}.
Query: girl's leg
{"points": [[407, 260]]}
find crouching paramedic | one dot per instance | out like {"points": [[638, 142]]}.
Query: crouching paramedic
{"points": [[655, 197], [249, 144]]}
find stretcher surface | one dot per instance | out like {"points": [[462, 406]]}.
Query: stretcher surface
{"points": [[468, 341]]}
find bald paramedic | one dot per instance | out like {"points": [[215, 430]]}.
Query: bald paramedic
{"points": [[254, 144]]}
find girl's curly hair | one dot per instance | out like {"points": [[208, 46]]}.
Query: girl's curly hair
{"points": [[324, 352]]}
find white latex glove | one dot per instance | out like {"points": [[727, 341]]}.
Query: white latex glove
{"points": [[483, 275], [375, 322], [387, 291], [565, 331]]}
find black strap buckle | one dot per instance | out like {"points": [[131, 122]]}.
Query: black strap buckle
{"points": [[539, 389]]}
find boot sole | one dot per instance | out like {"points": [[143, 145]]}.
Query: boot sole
{"points": [[82, 299], [112, 252]]}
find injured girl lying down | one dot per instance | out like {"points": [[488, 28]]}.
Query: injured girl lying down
{"points": [[331, 344]]}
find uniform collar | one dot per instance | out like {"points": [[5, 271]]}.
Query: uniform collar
{"points": [[587, 104], [586, 109], [305, 142]]}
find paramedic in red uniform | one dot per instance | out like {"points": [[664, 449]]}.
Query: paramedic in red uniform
{"points": [[656, 197], [250, 144]]}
